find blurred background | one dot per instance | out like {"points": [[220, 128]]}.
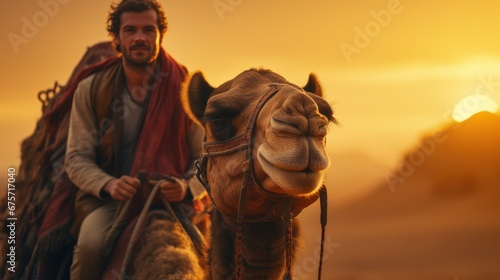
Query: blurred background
{"points": [[414, 183]]}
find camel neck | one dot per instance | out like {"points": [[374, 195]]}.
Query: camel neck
{"points": [[263, 249]]}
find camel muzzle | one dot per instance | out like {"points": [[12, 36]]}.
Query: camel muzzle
{"points": [[299, 115]]}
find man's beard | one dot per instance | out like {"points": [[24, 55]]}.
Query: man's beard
{"points": [[143, 61]]}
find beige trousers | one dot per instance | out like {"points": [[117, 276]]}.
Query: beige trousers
{"points": [[87, 260]]}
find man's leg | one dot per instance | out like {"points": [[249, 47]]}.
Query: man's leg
{"points": [[87, 261]]}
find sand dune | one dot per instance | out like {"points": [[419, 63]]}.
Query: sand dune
{"points": [[441, 222]]}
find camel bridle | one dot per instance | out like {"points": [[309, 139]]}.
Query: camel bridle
{"points": [[283, 206]]}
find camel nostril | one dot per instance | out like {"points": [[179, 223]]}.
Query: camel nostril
{"points": [[318, 126], [287, 126]]}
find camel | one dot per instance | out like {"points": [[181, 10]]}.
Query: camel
{"points": [[263, 161]]}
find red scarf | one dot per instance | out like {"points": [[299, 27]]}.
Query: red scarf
{"points": [[162, 146]]}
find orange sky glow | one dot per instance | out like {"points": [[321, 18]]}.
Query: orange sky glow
{"points": [[394, 70]]}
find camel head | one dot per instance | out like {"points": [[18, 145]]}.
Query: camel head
{"points": [[288, 149]]}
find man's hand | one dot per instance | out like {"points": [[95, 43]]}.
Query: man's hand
{"points": [[122, 188], [173, 191]]}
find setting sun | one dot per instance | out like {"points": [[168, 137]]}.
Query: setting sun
{"points": [[473, 104]]}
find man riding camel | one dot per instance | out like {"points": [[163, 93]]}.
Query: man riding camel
{"points": [[127, 119]]}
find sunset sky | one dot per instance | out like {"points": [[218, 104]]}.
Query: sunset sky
{"points": [[394, 70]]}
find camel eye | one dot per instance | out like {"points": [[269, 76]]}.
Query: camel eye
{"points": [[221, 128], [218, 123]]}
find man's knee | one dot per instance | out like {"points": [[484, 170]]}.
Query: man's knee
{"points": [[87, 259], [89, 244], [93, 231]]}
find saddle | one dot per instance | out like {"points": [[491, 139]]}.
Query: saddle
{"points": [[121, 243]]}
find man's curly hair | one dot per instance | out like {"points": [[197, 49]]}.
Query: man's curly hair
{"points": [[134, 6]]}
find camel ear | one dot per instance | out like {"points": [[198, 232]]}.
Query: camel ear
{"points": [[313, 85], [195, 96]]}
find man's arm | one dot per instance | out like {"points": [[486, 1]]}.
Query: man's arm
{"points": [[83, 138]]}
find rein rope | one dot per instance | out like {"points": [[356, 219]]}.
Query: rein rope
{"points": [[245, 142]]}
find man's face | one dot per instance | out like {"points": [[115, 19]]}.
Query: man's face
{"points": [[139, 37]]}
